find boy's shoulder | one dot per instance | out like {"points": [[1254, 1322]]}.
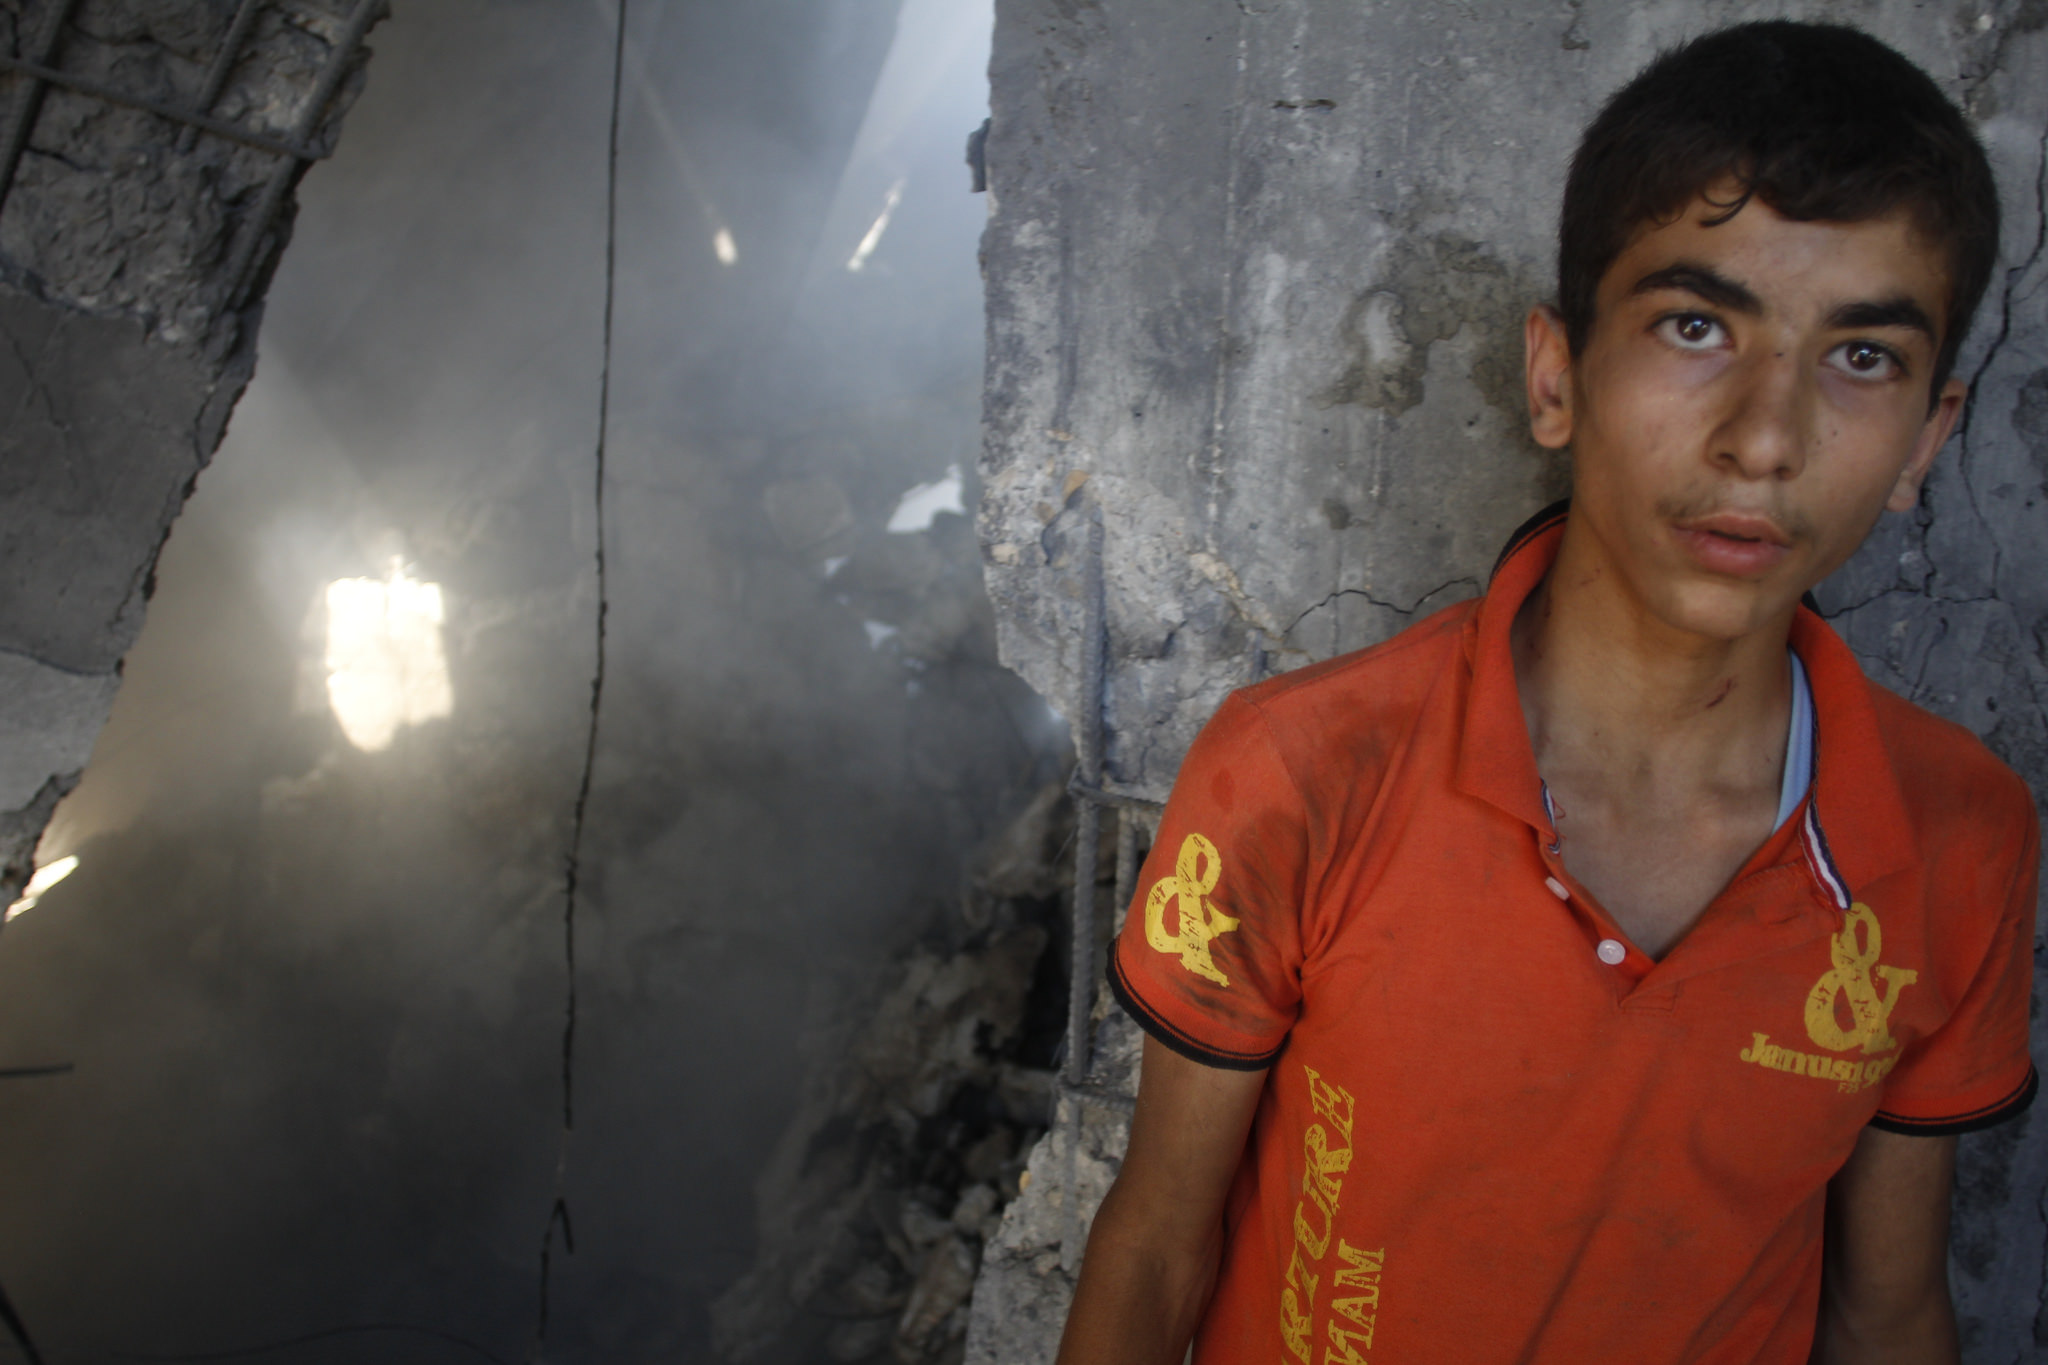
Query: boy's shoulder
{"points": [[1946, 774], [1899, 789], [1376, 689]]}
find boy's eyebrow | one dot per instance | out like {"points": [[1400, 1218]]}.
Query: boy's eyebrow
{"points": [[1704, 281], [1716, 288], [1899, 311]]}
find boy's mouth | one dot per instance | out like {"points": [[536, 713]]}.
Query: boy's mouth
{"points": [[1737, 544], [1745, 527]]}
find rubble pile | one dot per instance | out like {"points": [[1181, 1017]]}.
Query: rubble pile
{"points": [[875, 1205], [1030, 1266]]}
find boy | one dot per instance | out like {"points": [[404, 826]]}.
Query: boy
{"points": [[1600, 971]]}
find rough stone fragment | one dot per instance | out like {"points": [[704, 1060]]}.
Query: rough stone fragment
{"points": [[48, 725], [875, 1205], [1028, 1269], [102, 439]]}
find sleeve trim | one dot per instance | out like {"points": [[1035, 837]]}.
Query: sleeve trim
{"points": [[1996, 1112], [1176, 1039]]}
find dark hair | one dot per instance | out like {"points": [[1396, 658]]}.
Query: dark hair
{"points": [[1819, 121]]}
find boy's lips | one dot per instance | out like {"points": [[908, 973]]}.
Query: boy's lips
{"points": [[1737, 544]]}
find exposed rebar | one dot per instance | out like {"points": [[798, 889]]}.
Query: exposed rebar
{"points": [[223, 64], [1102, 796], [256, 226], [1126, 862], [28, 101], [1088, 814], [194, 123]]}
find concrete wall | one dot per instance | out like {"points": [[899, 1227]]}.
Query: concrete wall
{"points": [[131, 279], [1255, 274]]}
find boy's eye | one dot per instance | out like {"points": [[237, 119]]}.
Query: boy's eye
{"points": [[1691, 331], [1866, 360]]}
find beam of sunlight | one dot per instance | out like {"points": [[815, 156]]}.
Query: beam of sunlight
{"points": [[859, 260], [47, 876], [684, 165], [915, 511], [385, 665]]}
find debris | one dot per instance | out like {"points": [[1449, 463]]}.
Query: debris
{"points": [[877, 1202]]}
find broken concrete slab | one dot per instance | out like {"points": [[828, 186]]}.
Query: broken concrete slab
{"points": [[133, 256]]}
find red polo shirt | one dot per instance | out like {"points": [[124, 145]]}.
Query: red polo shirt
{"points": [[1495, 1130]]}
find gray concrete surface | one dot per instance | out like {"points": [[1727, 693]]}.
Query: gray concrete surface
{"points": [[1255, 274], [124, 341]]}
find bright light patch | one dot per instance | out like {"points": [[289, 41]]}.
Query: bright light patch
{"points": [[728, 252], [878, 631], [385, 667], [46, 877], [833, 565], [914, 512], [859, 260]]}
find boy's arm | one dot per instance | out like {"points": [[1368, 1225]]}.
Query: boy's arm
{"points": [[1884, 1284], [1158, 1238]]}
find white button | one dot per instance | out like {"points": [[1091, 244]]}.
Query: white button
{"points": [[1611, 951], [1557, 888]]}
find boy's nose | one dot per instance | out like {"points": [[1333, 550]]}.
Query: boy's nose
{"points": [[1764, 433]]}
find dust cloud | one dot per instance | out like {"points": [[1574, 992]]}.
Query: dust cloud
{"points": [[310, 967]]}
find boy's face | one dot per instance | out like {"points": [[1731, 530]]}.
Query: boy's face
{"points": [[1749, 398]]}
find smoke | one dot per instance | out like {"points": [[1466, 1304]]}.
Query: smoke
{"points": [[309, 965]]}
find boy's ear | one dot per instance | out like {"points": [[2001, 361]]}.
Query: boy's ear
{"points": [[1941, 420], [1548, 369]]}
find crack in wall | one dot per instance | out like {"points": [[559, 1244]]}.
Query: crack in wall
{"points": [[1395, 607], [30, 656], [2013, 276], [1920, 594], [38, 388]]}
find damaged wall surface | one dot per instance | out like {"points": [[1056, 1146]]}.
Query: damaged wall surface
{"points": [[134, 252], [1255, 282]]}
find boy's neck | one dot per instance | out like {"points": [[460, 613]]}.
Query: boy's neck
{"points": [[1662, 750], [1602, 680]]}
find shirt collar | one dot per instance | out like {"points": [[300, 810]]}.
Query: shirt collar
{"points": [[1855, 827], [1857, 813], [1495, 761]]}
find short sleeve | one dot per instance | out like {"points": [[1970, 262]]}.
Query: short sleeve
{"points": [[1209, 960], [1975, 1069]]}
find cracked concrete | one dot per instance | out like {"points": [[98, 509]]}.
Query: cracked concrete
{"points": [[122, 345], [1254, 277], [1454, 590]]}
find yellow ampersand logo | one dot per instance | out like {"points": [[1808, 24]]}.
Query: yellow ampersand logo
{"points": [[1855, 951], [1196, 870]]}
